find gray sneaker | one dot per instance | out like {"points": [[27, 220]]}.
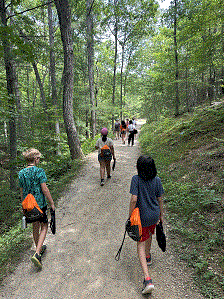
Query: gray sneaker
{"points": [[147, 286], [149, 260], [44, 247]]}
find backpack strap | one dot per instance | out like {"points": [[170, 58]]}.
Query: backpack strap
{"points": [[117, 257]]}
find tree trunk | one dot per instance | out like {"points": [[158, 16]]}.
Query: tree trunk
{"points": [[11, 86], [42, 94], [222, 69], [64, 15], [121, 96], [115, 64], [176, 61], [53, 76], [90, 55]]}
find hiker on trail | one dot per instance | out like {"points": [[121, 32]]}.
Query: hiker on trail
{"points": [[105, 148], [123, 128], [117, 129], [131, 135], [134, 121], [32, 179], [127, 122], [146, 194]]}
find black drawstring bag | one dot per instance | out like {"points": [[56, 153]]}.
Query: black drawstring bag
{"points": [[53, 222], [160, 236], [114, 163]]}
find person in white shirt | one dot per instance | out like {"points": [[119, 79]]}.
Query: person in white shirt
{"points": [[131, 136]]}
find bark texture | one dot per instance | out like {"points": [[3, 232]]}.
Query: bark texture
{"points": [[90, 56], [11, 89], [64, 15]]}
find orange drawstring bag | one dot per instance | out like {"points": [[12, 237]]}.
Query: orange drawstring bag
{"points": [[31, 209], [133, 227]]}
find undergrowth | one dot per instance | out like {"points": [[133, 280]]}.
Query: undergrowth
{"points": [[189, 153]]}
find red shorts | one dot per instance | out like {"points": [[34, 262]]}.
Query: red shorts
{"points": [[147, 232]]}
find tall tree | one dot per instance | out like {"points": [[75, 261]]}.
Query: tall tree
{"points": [[176, 60], [64, 16], [90, 55], [11, 89], [53, 81]]}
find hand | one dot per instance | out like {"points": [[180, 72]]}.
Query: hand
{"points": [[52, 207]]}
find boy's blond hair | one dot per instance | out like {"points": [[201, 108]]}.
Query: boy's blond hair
{"points": [[31, 154]]}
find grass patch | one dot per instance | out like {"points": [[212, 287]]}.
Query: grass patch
{"points": [[189, 153]]}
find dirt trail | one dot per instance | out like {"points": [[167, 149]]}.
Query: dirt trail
{"points": [[79, 262]]}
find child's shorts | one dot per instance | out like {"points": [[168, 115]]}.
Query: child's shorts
{"points": [[147, 232], [43, 219]]}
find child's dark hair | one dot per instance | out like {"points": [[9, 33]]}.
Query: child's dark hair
{"points": [[146, 168]]}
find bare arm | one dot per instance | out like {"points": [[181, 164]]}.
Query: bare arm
{"points": [[48, 195], [133, 202], [160, 200]]}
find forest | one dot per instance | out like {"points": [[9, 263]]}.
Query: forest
{"points": [[69, 67]]}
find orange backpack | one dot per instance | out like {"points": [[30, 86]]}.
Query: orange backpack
{"points": [[105, 152], [133, 227], [31, 209]]}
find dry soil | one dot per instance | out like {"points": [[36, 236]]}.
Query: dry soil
{"points": [[79, 260]]}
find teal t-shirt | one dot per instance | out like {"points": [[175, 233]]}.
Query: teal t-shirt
{"points": [[30, 179]]}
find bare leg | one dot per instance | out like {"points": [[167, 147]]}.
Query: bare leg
{"points": [[102, 169], [108, 168], [42, 236], [142, 258], [36, 232], [148, 243]]}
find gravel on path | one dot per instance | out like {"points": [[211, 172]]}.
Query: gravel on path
{"points": [[79, 260]]}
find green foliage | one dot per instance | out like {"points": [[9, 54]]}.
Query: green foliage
{"points": [[88, 145], [188, 153], [12, 244]]}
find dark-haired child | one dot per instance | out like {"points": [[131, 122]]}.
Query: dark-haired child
{"points": [[146, 194]]}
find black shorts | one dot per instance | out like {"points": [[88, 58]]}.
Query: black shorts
{"points": [[42, 219], [106, 159]]}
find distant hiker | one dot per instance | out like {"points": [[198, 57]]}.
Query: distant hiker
{"points": [[131, 135], [32, 179], [146, 194], [134, 121], [117, 129], [123, 128], [105, 148]]}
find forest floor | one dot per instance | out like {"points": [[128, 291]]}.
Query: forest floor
{"points": [[79, 260]]}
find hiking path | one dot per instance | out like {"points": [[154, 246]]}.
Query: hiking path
{"points": [[79, 260]]}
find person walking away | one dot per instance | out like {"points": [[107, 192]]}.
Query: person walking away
{"points": [[117, 129], [105, 153], [135, 124], [131, 136], [127, 122], [146, 194], [134, 121], [32, 179], [123, 128]]}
